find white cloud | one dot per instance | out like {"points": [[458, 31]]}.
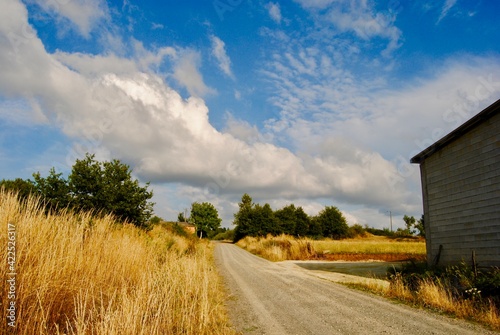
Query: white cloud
{"points": [[187, 73], [219, 52], [446, 8], [317, 4], [156, 26], [274, 11], [83, 14], [358, 17]]}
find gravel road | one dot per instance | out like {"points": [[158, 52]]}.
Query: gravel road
{"points": [[282, 298]]}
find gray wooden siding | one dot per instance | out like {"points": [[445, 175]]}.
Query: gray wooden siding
{"points": [[461, 188]]}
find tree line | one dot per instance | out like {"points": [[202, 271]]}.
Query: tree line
{"points": [[100, 187], [257, 220]]}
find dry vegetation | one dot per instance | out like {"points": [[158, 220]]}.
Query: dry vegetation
{"points": [[280, 248], [78, 274], [426, 293], [438, 297]]}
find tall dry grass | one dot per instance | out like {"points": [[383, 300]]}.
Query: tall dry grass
{"points": [[279, 248], [78, 274], [436, 296], [284, 247]]}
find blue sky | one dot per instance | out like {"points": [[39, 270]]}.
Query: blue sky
{"points": [[318, 102]]}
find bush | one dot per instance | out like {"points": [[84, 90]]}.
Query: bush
{"points": [[228, 235], [356, 230]]}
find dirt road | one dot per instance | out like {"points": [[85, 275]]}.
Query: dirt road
{"points": [[281, 298]]}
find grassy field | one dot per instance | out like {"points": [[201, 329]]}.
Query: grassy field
{"points": [[279, 248], [78, 274]]}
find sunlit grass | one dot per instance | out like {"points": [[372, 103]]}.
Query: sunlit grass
{"points": [[283, 247], [370, 246], [78, 274]]}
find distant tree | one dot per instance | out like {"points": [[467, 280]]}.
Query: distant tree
{"points": [[315, 228], [22, 187], [410, 224], [155, 220], [181, 218], [333, 222], [302, 222], [243, 219], [420, 226], [264, 221], [286, 219], [293, 220], [205, 217]]}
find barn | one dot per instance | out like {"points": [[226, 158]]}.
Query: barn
{"points": [[460, 177]]}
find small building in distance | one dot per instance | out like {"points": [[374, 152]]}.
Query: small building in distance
{"points": [[460, 176], [188, 227]]}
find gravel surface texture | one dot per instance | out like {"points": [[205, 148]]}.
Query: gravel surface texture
{"points": [[283, 298]]}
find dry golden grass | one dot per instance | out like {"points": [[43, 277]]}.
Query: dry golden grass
{"points": [[279, 248], [438, 298], [373, 245], [78, 274], [283, 247]]}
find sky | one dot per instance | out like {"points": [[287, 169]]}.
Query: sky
{"points": [[311, 102]]}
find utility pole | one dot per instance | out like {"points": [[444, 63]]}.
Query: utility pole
{"points": [[390, 215]]}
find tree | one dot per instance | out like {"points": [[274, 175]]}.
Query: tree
{"points": [[302, 222], [243, 219], [205, 218], [413, 226], [333, 223], [286, 219], [23, 188], [410, 223], [293, 220], [53, 189], [420, 226], [181, 218], [155, 220], [315, 228], [263, 221], [106, 188]]}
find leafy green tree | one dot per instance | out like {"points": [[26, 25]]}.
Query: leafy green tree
{"points": [[106, 188], [286, 219], [23, 188], [293, 220], [333, 223], [420, 226], [205, 217], [410, 224], [315, 228], [264, 221], [243, 219], [53, 189], [109, 187], [302, 222]]}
